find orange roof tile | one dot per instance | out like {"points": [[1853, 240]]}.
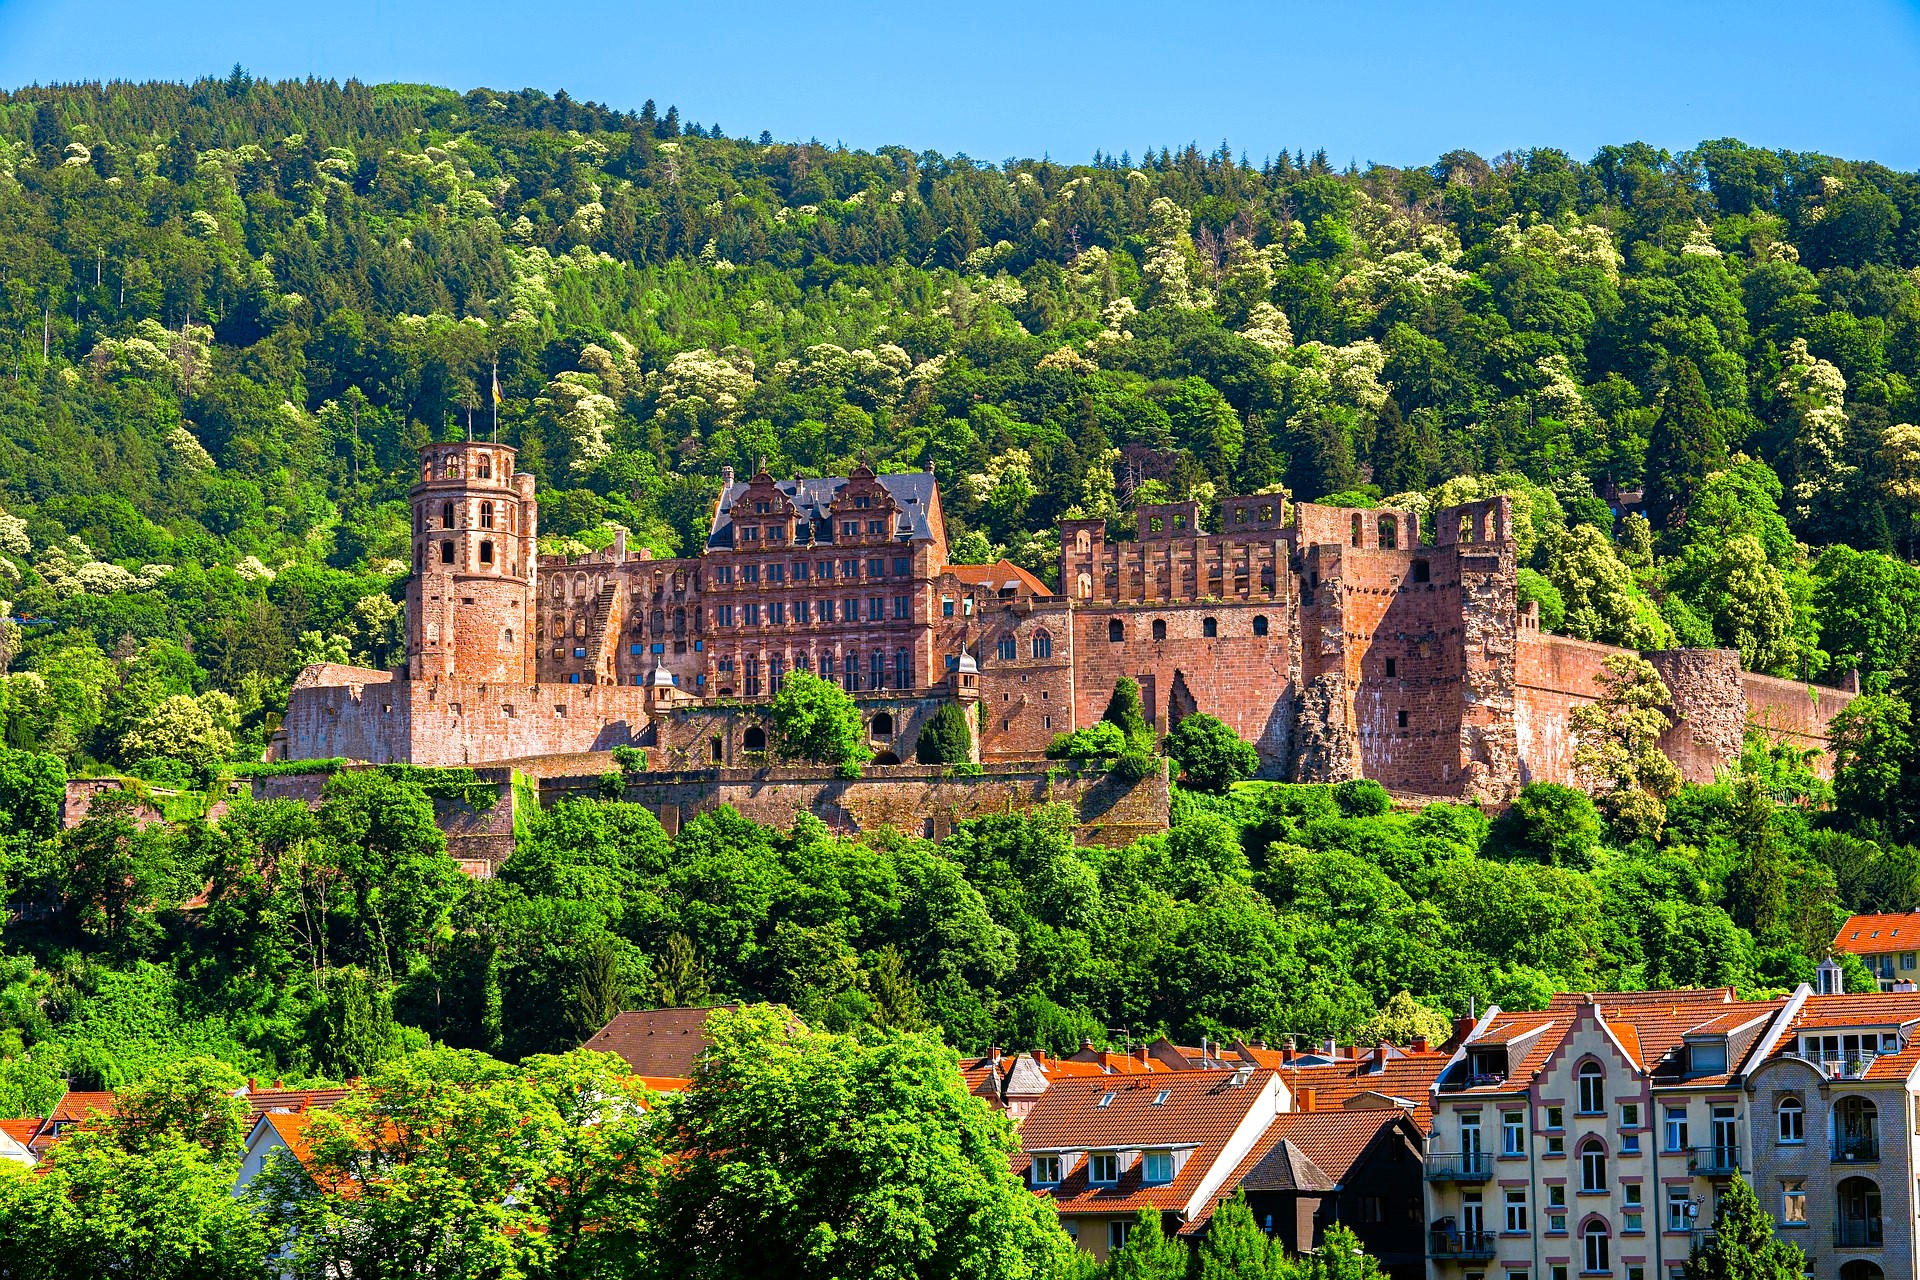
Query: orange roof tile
{"points": [[998, 574], [1883, 931], [1202, 1108], [1333, 1140]]}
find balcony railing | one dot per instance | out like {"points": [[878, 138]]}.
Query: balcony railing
{"points": [[1460, 1244], [1856, 1233], [1856, 1148], [1719, 1160], [1699, 1238], [1458, 1166], [1853, 1068]]}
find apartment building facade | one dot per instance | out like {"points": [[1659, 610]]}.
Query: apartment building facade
{"points": [[1595, 1137], [1888, 942]]}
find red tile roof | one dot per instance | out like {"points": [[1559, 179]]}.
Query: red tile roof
{"points": [[1200, 1110], [1885, 931], [281, 1101], [1333, 1141], [1837, 1013], [998, 574], [659, 1043], [1334, 1086]]}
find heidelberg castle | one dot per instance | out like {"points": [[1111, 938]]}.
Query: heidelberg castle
{"points": [[1336, 640]]}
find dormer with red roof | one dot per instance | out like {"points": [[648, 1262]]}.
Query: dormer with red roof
{"points": [[1888, 941]]}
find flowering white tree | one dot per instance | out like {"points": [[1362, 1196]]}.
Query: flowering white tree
{"points": [[1817, 394]]}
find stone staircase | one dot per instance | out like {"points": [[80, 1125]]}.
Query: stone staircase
{"points": [[603, 629]]}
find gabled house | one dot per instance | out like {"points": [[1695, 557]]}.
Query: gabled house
{"points": [[1889, 943], [75, 1108], [1104, 1149]]}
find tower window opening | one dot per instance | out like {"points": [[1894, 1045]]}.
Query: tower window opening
{"points": [[486, 552], [446, 553], [446, 515], [486, 515]]}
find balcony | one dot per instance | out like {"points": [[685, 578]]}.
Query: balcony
{"points": [[1721, 1160], [1856, 1148], [1856, 1233], [1464, 1246], [1854, 1068], [1458, 1166]]}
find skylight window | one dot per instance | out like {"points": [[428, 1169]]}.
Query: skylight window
{"points": [[1106, 1099], [1161, 1097]]}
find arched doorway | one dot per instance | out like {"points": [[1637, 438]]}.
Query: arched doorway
{"points": [[1862, 1269], [886, 757], [1856, 1129], [1859, 1219], [755, 739]]}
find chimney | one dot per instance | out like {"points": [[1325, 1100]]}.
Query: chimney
{"points": [[726, 477], [1332, 1047], [1286, 1054], [1463, 1027], [1380, 1056], [1308, 1098], [1086, 1046], [1419, 1044]]}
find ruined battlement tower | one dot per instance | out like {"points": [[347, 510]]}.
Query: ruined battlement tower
{"points": [[469, 602]]}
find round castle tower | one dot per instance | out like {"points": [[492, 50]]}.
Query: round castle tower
{"points": [[469, 601]]}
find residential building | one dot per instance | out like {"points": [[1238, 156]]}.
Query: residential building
{"points": [[1834, 1146], [660, 1045], [1889, 943], [1592, 1137]]}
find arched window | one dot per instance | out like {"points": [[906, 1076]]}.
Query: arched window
{"points": [[446, 553], [1593, 1089], [1389, 528], [1793, 1121], [1006, 648], [1259, 624], [1862, 1269], [486, 515], [1084, 582], [1083, 542], [483, 467], [1596, 1248], [1116, 631], [1593, 1166], [1859, 1225], [1042, 644], [882, 726], [1159, 628], [1856, 1129], [486, 552], [902, 670], [754, 739], [1210, 627]]}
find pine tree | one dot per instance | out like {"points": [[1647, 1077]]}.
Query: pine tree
{"points": [[1149, 1254], [1743, 1246], [1686, 446], [1235, 1248], [947, 738], [1396, 462]]}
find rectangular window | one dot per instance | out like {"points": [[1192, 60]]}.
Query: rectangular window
{"points": [[1516, 1211], [724, 575], [1513, 1133], [1629, 1115], [966, 606], [579, 652], [658, 648], [801, 610], [1679, 1209], [849, 568], [876, 568], [1676, 1132], [903, 568], [1103, 1168], [723, 615], [635, 650], [1906, 959], [1158, 1166], [902, 607], [752, 618], [750, 573], [1557, 1195], [946, 606], [776, 573], [1793, 1202], [826, 611], [850, 611], [1373, 1209], [1117, 1235], [777, 613], [800, 571], [823, 570], [1046, 1170], [850, 529]]}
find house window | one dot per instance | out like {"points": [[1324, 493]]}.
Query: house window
{"points": [[1513, 1133], [1630, 1214], [1793, 1202], [1516, 1210], [1159, 629], [1393, 668], [1259, 624], [1420, 572], [1046, 1170], [1400, 719], [1793, 1121], [946, 606], [1629, 1115], [1117, 1235], [1158, 1166], [1592, 1090], [1597, 1262], [1103, 1168], [1006, 649], [486, 515], [1042, 644], [446, 515], [486, 552], [1373, 1209], [1679, 1208], [1593, 1167], [1676, 1134]]}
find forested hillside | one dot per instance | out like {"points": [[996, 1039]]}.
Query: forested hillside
{"points": [[233, 308]]}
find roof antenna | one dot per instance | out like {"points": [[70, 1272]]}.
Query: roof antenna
{"points": [[1473, 1007]]}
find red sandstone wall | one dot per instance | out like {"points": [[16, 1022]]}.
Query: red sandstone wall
{"points": [[1552, 675], [1795, 712], [454, 722]]}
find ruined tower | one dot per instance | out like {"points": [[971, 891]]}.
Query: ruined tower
{"points": [[470, 600]]}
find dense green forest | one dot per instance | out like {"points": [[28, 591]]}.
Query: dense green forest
{"points": [[232, 309]]}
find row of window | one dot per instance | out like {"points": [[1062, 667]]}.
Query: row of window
{"points": [[810, 571], [846, 670], [778, 612], [1103, 1168], [1209, 628], [448, 512]]}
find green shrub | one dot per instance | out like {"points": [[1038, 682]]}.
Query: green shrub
{"points": [[1362, 798]]}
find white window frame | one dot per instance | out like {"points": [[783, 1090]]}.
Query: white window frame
{"points": [[1046, 1170], [1153, 1176], [1101, 1163]]}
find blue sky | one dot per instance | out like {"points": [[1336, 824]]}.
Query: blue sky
{"points": [[1368, 80]]}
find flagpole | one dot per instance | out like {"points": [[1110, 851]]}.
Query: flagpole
{"points": [[496, 400]]}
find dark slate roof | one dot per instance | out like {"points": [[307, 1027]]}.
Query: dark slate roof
{"points": [[656, 1042], [913, 490], [1286, 1168]]}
